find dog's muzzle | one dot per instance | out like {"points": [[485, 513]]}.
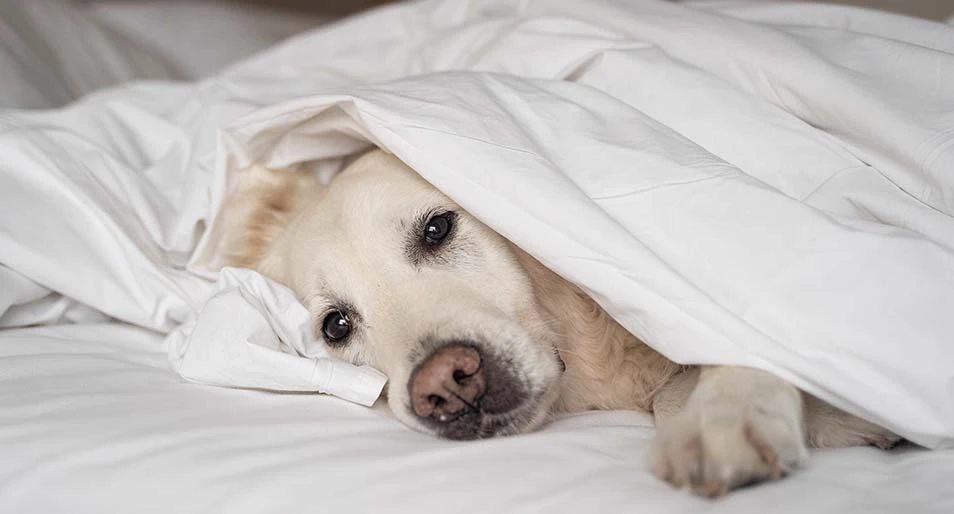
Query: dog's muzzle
{"points": [[463, 392]]}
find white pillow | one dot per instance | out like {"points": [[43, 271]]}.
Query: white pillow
{"points": [[52, 52]]}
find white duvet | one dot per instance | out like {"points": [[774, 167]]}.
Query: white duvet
{"points": [[734, 184]]}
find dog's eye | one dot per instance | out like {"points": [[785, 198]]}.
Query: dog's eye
{"points": [[437, 228], [336, 327]]}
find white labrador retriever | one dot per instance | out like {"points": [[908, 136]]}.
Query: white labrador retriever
{"points": [[480, 340]]}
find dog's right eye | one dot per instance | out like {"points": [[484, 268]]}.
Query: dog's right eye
{"points": [[438, 228], [336, 327]]}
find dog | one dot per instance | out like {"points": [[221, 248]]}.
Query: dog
{"points": [[480, 340]]}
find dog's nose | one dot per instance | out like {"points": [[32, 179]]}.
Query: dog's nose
{"points": [[447, 383]]}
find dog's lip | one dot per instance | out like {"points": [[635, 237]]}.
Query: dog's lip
{"points": [[559, 356], [515, 421]]}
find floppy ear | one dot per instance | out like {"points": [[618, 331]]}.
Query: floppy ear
{"points": [[263, 205]]}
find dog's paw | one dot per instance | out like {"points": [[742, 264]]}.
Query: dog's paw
{"points": [[718, 446]]}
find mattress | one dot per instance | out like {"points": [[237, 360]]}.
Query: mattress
{"points": [[91, 420]]}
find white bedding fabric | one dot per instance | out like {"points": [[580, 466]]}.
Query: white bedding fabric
{"points": [[774, 192], [253, 333], [92, 421]]}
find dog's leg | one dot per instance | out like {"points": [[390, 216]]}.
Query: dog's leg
{"points": [[674, 396], [829, 427], [738, 426]]}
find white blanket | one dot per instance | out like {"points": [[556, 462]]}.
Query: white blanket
{"points": [[253, 333], [756, 193]]}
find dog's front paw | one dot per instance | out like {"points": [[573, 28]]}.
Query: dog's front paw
{"points": [[718, 446]]}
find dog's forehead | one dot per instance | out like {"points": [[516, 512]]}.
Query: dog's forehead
{"points": [[366, 213], [379, 171], [378, 189]]}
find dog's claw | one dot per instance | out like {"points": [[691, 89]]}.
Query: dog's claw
{"points": [[764, 451], [713, 489], [725, 446]]}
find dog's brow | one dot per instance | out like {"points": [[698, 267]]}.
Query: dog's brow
{"points": [[415, 251], [327, 298], [317, 300]]}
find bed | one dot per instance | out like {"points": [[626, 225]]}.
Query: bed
{"points": [[93, 420]]}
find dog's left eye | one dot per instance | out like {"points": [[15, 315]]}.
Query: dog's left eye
{"points": [[336, 327], [438, 228]]}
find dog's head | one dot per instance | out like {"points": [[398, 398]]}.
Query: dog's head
{"points": [[398, 277]]}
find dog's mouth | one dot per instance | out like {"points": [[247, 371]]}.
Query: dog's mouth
{"points": [[478, 423], [462, 391]]}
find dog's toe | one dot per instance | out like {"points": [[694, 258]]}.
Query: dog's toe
{"points": [[716, 448]]}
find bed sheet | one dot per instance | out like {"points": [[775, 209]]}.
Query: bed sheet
{"points": [[91, 421]]}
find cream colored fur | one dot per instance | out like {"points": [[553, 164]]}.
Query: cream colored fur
{"points": [[719, 427]]}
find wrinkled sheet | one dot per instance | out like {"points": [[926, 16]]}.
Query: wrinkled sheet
{"points": [[253, 333], [748, 186], [92, 421]]}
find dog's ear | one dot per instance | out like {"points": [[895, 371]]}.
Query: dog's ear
{"points": [[259, 210]]}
